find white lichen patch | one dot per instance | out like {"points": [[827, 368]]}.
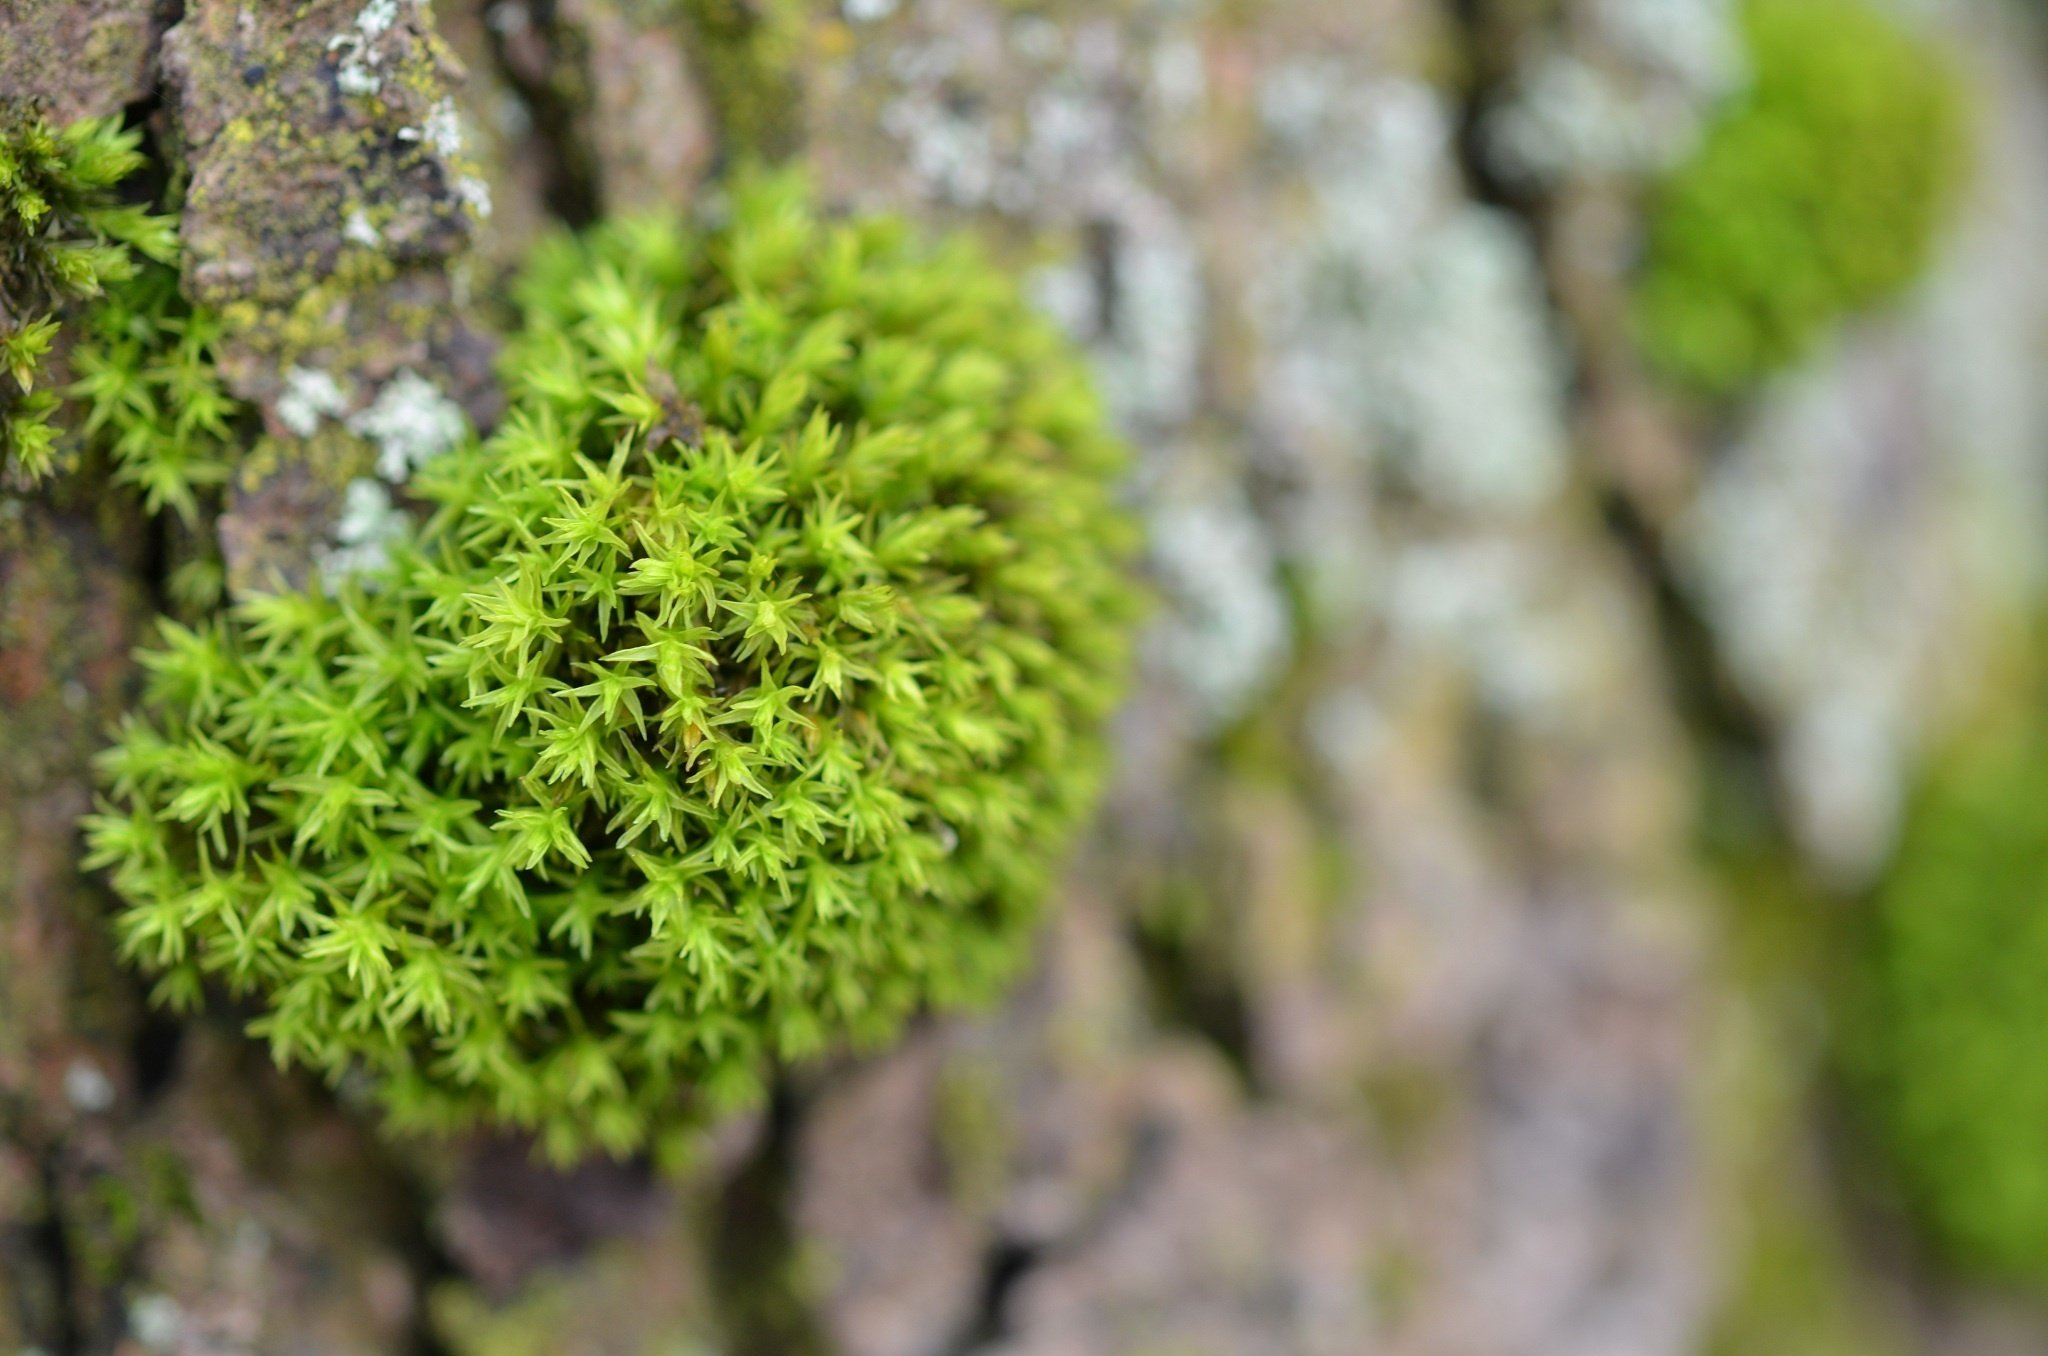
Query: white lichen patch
{"points": [[1146, 334], [1493, 605], [1625, 91], [1179, 78], [1569, 116], [1461, 365], [157, 1322], [1065, 292], [310, 395], [1017, 118], [360, 55], [1816, 548], [951, 153], [510, 116], [370, 522], [1378, 160], [1226, 632], [441, 134], [508, 17], [375, 19], [359, 230], [87, 1087], [356, 75], [410, 421], [1399, 318], [1033, 115], [476, 194], [1695, 42], [440, 131]]}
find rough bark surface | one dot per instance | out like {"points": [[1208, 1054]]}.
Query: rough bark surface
{"points": [[1389, 1010]]}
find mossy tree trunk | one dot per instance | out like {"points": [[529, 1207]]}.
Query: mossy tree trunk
{"points": [[1381, 1014]]}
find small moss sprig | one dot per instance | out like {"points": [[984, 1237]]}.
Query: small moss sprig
{"points": [[151, 392], [64, 237], [738, 695], [1818, 193]]}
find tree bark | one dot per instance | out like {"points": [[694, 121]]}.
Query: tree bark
{"points": [[1387, 1009]]}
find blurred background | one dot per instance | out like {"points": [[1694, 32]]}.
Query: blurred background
{"points": [[1577, 878]]}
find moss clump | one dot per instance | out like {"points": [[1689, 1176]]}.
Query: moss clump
{"points": [[1948, 1008], [1816, 194], [738, 695], [64, 237]]}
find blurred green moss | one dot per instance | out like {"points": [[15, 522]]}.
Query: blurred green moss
{"points": [[1945, 1027], [1818, 192], [1795, 1284], [748, 55]]}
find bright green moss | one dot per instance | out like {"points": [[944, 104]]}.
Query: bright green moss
{"points": [[739, 695], [1819, 192], [151, 393], [64, 237], [1949, 1009]]}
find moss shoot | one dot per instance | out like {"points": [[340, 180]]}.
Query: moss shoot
{"points": [[737, 697], [65, 237]]}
